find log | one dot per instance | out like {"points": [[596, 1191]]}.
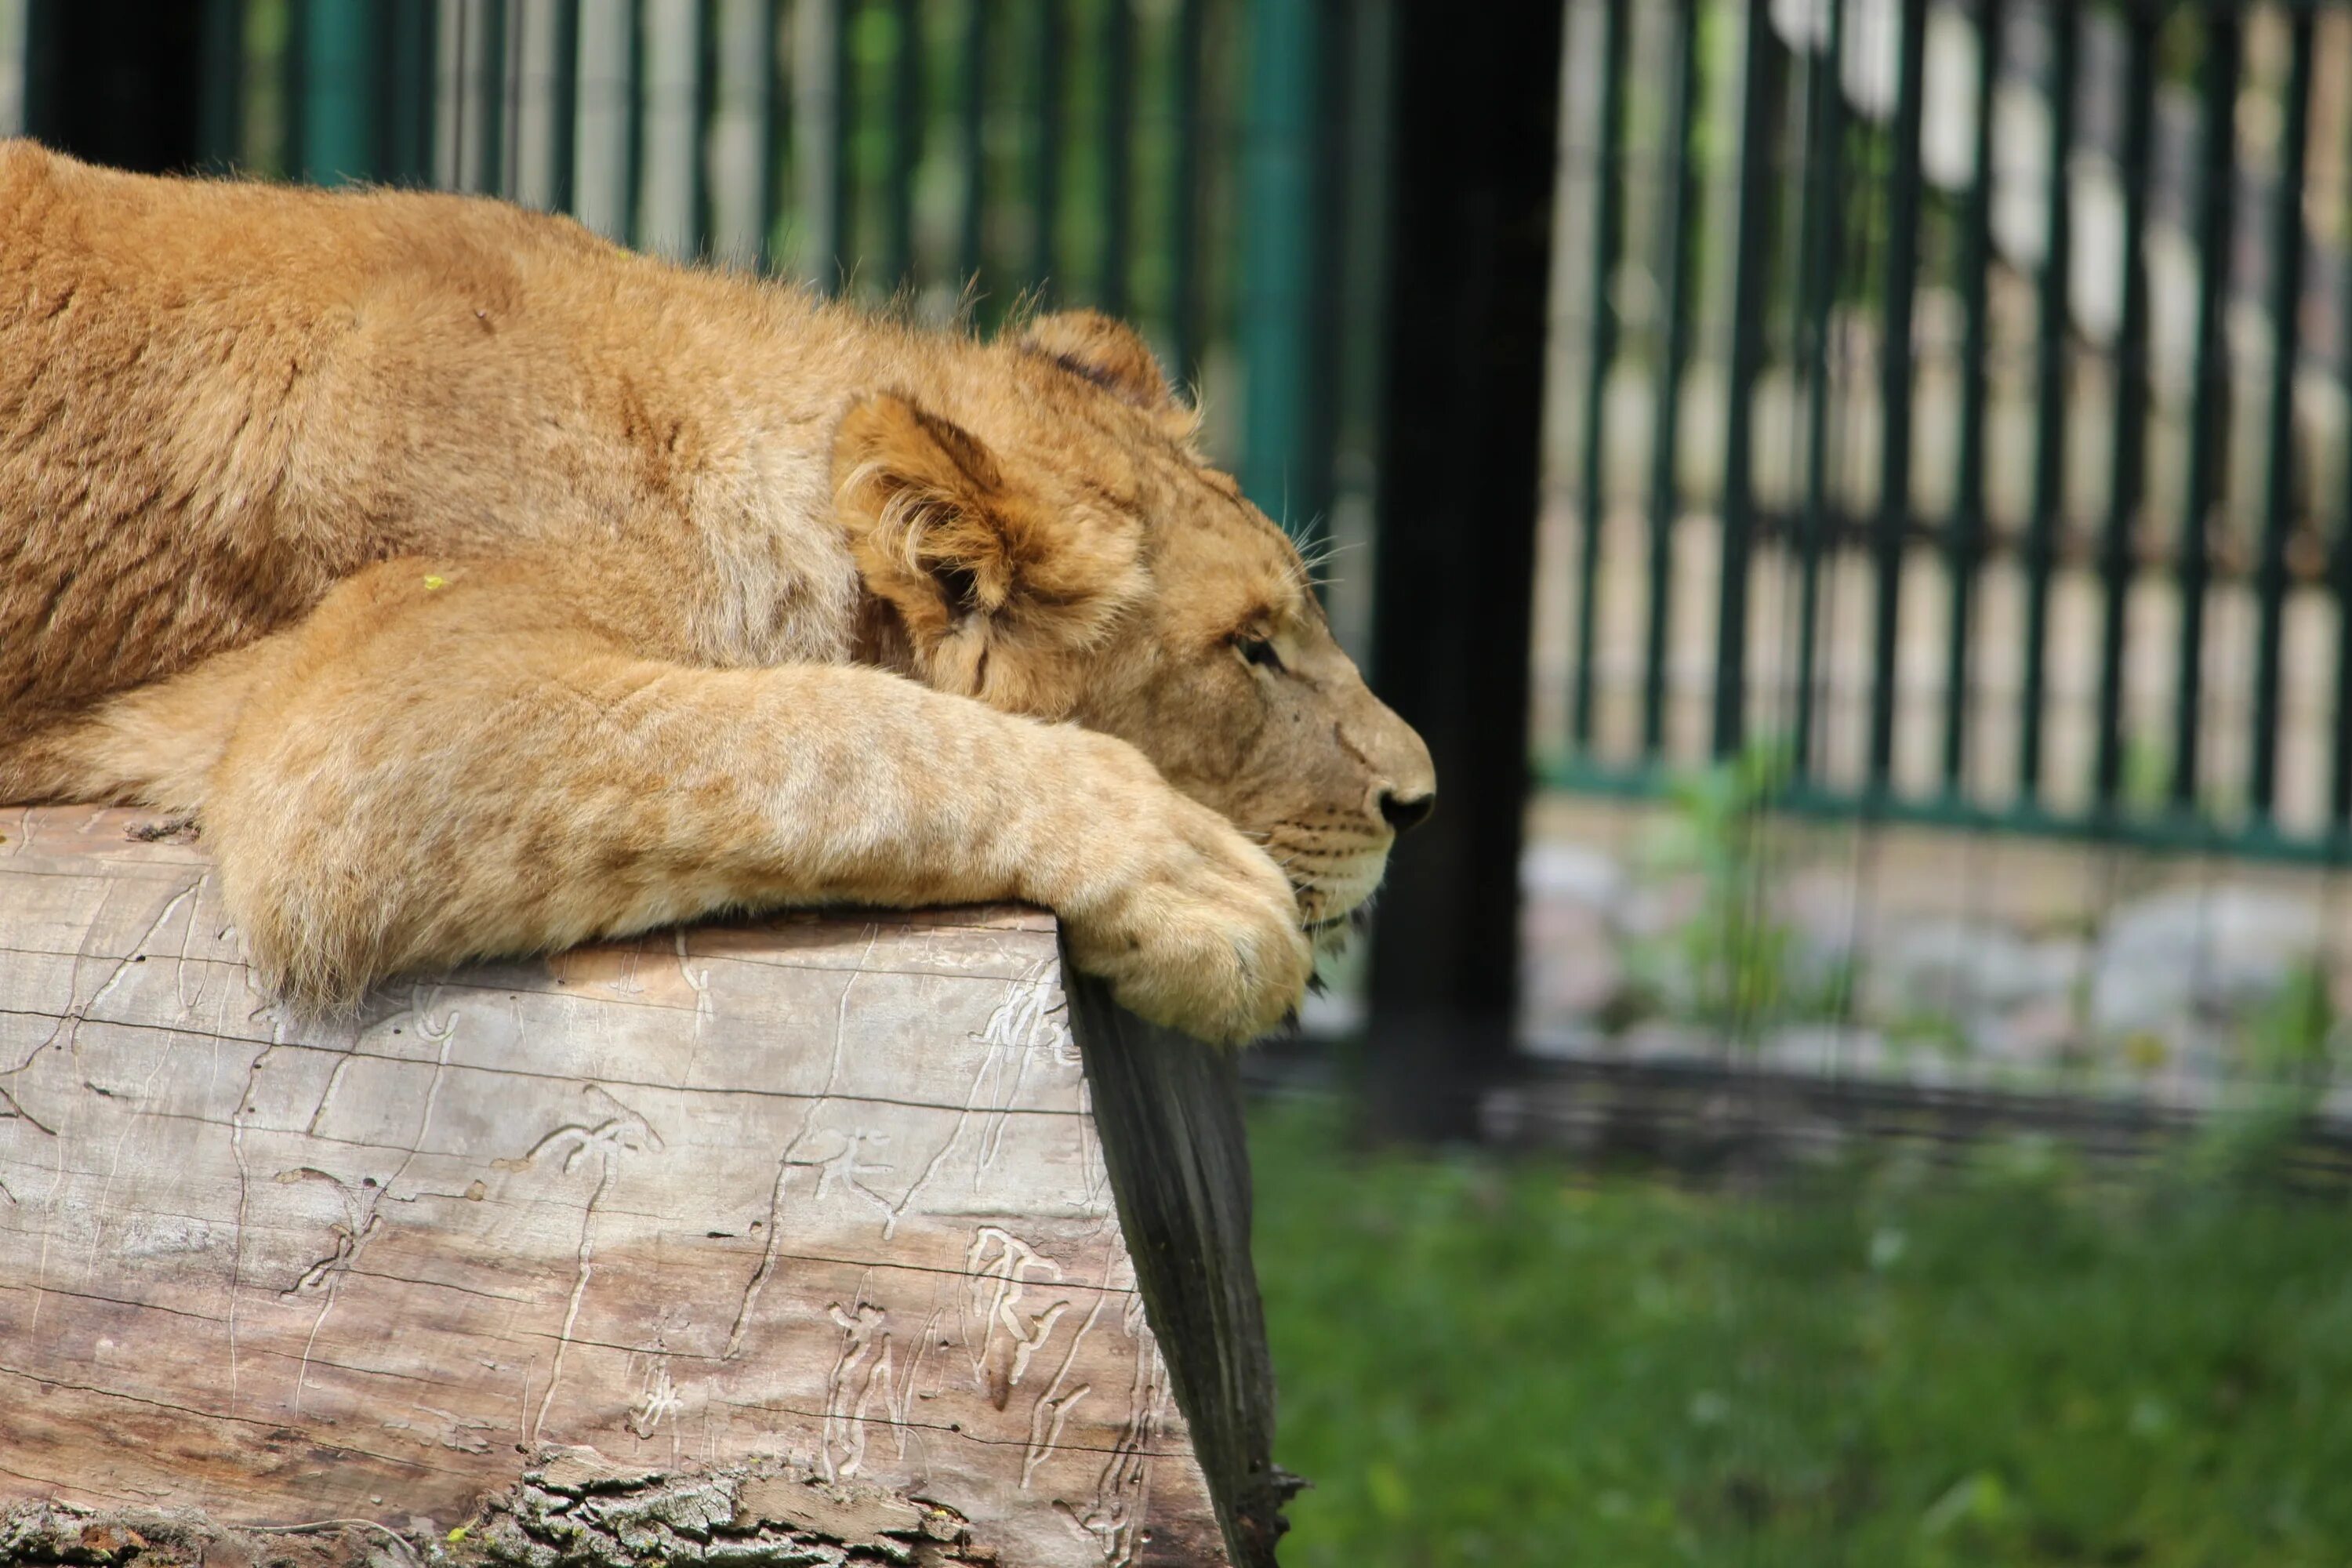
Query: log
{"points": [[808, 1239]]}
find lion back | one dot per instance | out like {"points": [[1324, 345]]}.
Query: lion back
{"points": [[197, 438]]}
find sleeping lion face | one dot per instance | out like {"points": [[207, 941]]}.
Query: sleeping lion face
{"points": [[1039, 532]]}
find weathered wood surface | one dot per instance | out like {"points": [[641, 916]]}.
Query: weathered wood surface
{"points": [[816, 1193]]}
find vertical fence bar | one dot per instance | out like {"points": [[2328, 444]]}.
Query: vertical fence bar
{"points": [[2287, 339], [705, 112], [972, 240], [2049, 399], [294, 87], [1117, 154], [1278, 285], [817, 122], [2339, 575], [775, 132], [1363, 74], [1184, 197], [1608, 222], [2339, 780], [221, 92], [509, 86], [340, 95], [403, 55], [840, 174], [2128, 476], [906, 143], [1751, 258], [1825, 196], [2209, 423], [564, 91], [633, 170], [491, 173], [1046, 148], [422, 55], [1681, 201], [634, 109], [1895, 390], [1964, 545], [451, 113], [1320, 228]]}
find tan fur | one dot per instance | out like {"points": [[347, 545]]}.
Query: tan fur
{"points": [[484, 588]]}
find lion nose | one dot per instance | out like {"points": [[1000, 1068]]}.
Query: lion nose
{"points": [[1407, 811]]}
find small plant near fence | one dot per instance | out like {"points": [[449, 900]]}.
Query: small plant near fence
{"points": [[1734, 963]]}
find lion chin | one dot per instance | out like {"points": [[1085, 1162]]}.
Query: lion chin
{"points": [[1337, 907], [481, 588]]}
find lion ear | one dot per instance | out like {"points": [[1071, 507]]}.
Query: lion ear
{"points": [[972, 560], [1108, 352], [924, 502]]}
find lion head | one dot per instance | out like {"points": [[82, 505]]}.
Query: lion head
{"points": [[1037, 529]]}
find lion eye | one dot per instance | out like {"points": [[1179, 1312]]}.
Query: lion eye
{"points": [[1259, 651]]}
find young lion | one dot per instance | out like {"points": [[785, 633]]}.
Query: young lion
{"points": [[484, 588]]}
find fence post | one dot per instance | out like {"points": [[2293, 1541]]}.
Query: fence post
{"points": [[1475, 107], [109, 80]]}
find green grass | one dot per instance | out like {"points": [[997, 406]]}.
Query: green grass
{"points": [[1497, 1364]]}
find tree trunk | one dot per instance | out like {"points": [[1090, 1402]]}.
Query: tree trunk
{"points": [[810, 1239]]}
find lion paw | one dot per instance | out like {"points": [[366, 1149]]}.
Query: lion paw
{"points": [[1201, 933]]}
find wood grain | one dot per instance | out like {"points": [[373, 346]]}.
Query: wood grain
{"points": [[822, 1192]]}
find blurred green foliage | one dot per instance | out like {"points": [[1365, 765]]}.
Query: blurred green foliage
{"points": [[2286, 1053], [1733, 963], [1497, 1364]]}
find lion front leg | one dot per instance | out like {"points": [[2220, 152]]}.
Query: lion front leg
{"points": [[425, 794]]}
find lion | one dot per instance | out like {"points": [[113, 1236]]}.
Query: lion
{"points": [[479, 587]]}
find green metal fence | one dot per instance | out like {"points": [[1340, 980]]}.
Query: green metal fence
{"points": [[1955, 395], [1192, 164], [1960, 410]]}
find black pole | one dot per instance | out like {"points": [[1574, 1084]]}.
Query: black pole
{"points": [[1475, 109], [109, 80]]}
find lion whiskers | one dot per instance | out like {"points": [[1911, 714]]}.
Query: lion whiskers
{"points": [[1335, 883]]}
